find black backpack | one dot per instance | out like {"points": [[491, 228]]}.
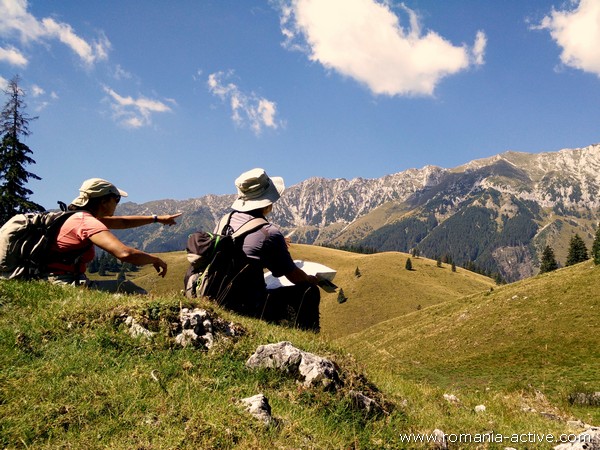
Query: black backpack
{"points": [[217, 262], [25, 241]]}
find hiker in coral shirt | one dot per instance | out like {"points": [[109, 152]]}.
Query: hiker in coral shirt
{"points": [[89, 226]]}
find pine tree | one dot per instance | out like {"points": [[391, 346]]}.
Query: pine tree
{"points": [[408, 265], [341, 297], [577, 251], [497, 278], [102, 264], [14, 156], [94, 265], [357, 273], [596, 247], [113, 264], [453, 267], [548, 263]]}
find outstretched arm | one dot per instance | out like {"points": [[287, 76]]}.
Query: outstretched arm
{"points": [[121, 222], [109, 242]]}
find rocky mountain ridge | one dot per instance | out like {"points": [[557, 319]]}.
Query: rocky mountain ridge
{"points": [[544, 197]]}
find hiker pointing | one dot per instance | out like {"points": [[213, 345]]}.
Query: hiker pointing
{"points": [[88, 226]]}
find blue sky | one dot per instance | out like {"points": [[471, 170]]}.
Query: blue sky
{"points": [[174, 99]]}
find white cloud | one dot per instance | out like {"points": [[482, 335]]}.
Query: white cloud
{"points": [[121, 73], [198, 75], [36, 90], [13, 56], [41, 106], [134, 112], [364, 40], [479, 48], [246, 109], [41, 99], [3, 83], [577, 32], [15, 20]]}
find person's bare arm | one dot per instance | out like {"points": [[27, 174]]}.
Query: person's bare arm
{"points": [[109, 242], [298, 276], [122, 222]]}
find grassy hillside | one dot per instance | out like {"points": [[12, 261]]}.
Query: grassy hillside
{"points": [[384, 290], [538, 334], [72, 377]]}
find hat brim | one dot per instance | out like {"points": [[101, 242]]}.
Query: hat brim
{"points": [[271, 195], [83, 199]]}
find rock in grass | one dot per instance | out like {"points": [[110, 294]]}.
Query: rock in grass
{"points": [[440, 442], [136, 330], [306, 367], [588, 440], [364, 403], [259, 407], [451, 398], [201, 328], [585, 398]]}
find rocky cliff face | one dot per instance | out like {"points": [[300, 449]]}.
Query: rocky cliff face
{"points": [[513, 204]]}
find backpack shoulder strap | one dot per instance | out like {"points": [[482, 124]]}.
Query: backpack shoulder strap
{"points": [[250, 226], [223, 223], [56, 219]]}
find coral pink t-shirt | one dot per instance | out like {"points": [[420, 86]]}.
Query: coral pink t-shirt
{"points": [[74, 235]]}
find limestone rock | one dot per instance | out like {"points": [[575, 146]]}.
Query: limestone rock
{"points": [[440, 440], [259, 407], [136, 330], [306, 367], [364, 403], [588, 440], [200, 328]]}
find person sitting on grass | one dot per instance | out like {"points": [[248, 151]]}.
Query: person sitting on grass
{"points": [[296, 305], [73, 247]]}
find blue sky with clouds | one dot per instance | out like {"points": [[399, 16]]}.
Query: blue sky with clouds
{"points": [[174, 99]]}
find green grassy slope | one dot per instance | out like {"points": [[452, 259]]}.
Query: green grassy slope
{"points": [[540, 333], [384, 290], [71, 377]]}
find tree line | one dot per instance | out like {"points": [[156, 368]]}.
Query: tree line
{"points": [[105, 263], [577, 253]]}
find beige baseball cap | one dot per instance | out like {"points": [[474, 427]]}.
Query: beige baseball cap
{"points": [[96, 187]]}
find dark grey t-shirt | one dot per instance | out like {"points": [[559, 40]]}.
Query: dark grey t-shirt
{"points": [[267, 246]]}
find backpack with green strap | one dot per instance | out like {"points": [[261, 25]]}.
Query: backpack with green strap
{"points": [[217, 261]]}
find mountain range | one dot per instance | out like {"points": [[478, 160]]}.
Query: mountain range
{"points": [[494, 215]]}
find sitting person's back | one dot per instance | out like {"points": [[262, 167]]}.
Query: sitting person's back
{"points": [[296, 305]]}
